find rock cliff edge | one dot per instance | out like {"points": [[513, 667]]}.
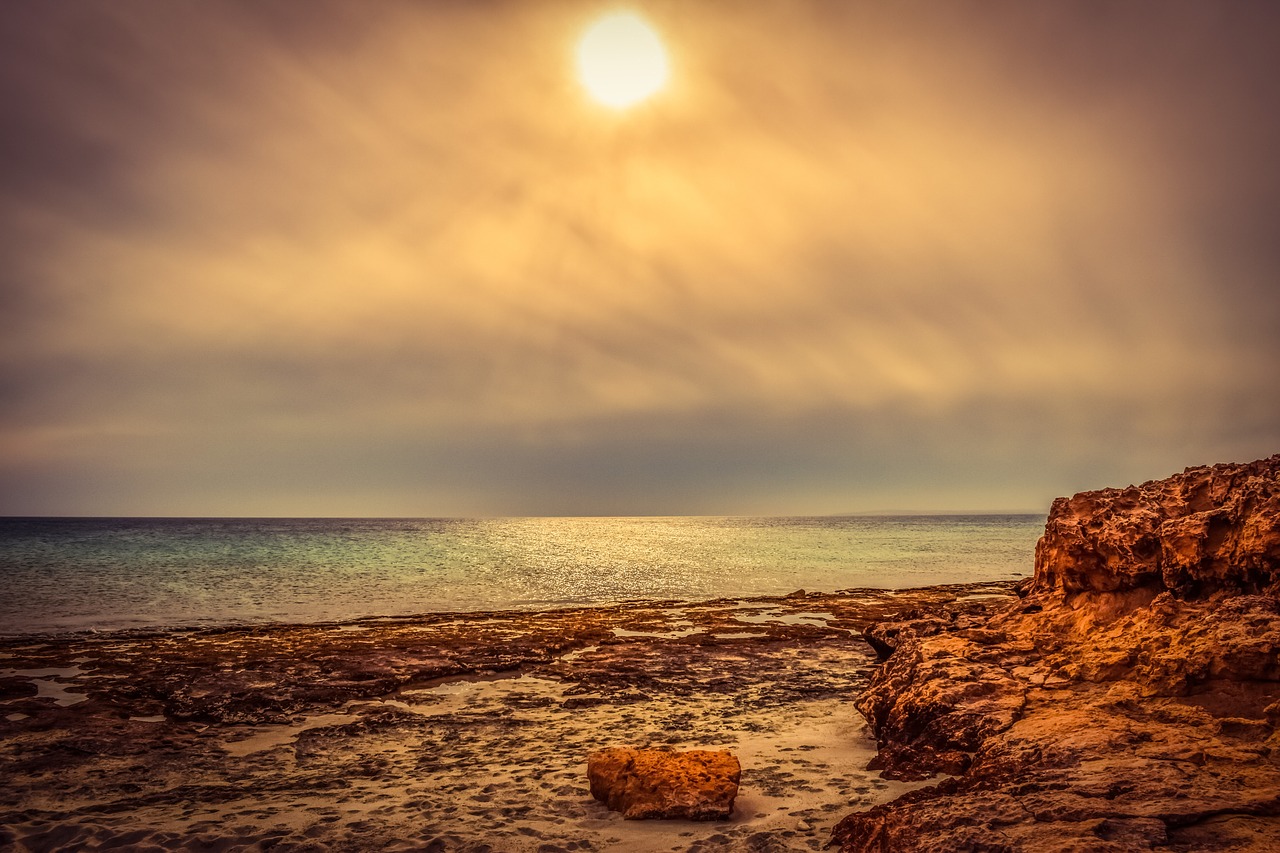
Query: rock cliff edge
{"points": [[1129, 701]]}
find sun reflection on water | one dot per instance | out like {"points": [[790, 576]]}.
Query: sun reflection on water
{"points": [[111, 573]]}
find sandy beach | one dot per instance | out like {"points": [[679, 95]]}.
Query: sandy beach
{"points": [[465, 732]]}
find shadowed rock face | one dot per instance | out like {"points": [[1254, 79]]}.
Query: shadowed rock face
{"points": [[655, 783], [1128, 702]]}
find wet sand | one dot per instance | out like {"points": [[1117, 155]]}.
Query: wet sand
{"points": [[451, 732]]}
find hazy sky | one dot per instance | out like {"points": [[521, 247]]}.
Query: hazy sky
{"points": [[289, 257]]}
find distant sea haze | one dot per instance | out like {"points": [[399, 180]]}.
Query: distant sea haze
{"points": [[70, 574]]}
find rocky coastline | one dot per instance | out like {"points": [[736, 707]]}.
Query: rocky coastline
{"points": [[463, 732], [1127, 701], [1125, 697]]}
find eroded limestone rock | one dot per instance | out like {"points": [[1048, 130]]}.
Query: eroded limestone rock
{"points": [[1129, 702], [656, 783], [1209, 529]]}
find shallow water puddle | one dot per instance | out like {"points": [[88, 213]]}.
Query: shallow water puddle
{"points": [[274, 736], [570, 657], [48, 687], [777, 616], [683, 630], [472, 690], [424, 710]]}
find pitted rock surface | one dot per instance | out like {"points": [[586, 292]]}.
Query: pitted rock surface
{"points": [[1209, 529], [655, 783]]}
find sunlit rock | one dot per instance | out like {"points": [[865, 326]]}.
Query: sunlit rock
{"points": [[1129, 701], [655, 783], [1209, 529]]}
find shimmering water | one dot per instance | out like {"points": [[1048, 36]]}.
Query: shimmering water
{"points": [[69, 574]]}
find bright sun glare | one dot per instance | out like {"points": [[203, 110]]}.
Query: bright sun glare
{"points": [[621, 60]]}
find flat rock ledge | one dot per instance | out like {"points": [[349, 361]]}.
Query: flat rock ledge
{"points": [[658, 783], [1129, 701]]}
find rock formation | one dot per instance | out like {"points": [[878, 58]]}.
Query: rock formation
{"points": [[1128, 702], [1204, 531], [657, 783], [462, 732]]}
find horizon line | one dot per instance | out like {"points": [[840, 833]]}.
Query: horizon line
{"points": [[858, 514]]}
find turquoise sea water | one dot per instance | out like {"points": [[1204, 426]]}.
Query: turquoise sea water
{"points": [[103, 574]]}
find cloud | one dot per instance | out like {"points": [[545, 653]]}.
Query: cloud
{"points": [[851, 244]]}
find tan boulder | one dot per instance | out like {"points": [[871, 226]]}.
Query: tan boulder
{"points": [[657, 783]]}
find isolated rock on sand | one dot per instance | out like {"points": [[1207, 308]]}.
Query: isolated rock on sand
{"points": [[656, 783], [1130, 701]]}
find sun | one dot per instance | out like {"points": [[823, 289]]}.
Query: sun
{"points": [[621, 60]]}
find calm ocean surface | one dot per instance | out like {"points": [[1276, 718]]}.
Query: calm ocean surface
{"points": [[75, 574]]}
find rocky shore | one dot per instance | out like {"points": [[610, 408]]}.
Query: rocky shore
{"points": [[1124, 698], [449, 732], [1128, 701]]}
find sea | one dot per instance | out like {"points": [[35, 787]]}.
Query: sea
{"points": [[108, 574]]}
